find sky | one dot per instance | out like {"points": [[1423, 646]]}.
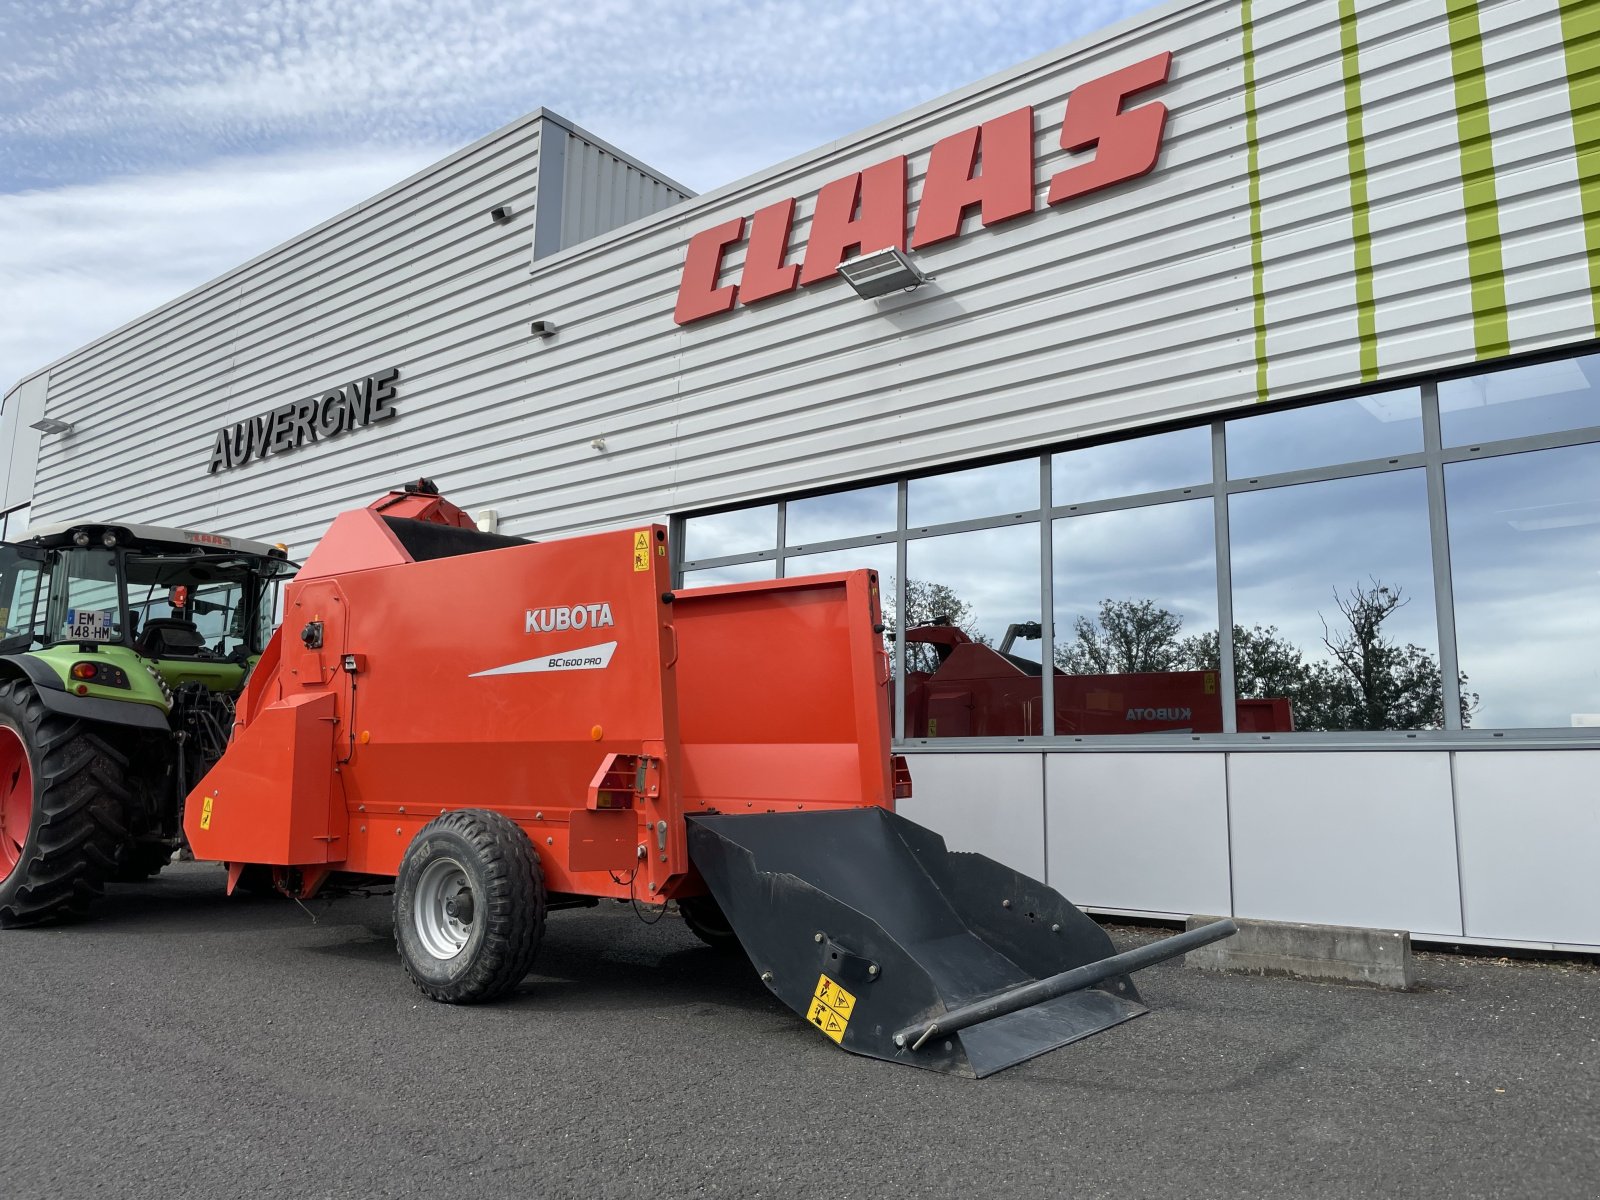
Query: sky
{"points": [[147, 146]]}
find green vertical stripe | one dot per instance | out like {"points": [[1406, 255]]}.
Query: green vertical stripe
{"points": [[1360, 217], [1580, 31], [1252, 166], [1484, 261]]}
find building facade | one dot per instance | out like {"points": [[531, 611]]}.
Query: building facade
{"points": [[1233, 474]]}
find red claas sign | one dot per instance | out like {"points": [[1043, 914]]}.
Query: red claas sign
{"points": [[866, 211]]}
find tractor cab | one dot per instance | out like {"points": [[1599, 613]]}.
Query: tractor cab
{"points": [[196, 606]]}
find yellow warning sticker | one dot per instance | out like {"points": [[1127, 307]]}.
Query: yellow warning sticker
{"points": [[205, 814], [641, 550], [830, 1009]]}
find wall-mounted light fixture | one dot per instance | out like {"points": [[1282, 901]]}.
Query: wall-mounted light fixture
{"points": [[882, 272], [51, 425], [543, 329], [500, 214]]}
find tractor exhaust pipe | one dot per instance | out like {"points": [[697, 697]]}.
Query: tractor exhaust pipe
{"points": [[1075, 980]]}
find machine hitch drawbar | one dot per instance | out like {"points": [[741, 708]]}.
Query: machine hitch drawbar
{"points": [[1075, 980]]}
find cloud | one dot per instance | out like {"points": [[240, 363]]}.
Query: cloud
{"points": [[713, 90], [82, 260]]}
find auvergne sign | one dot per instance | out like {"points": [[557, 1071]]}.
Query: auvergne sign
{"points": [[336, 411]]}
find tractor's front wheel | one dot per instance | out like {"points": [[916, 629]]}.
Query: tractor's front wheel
{"points": [[469, 907], [61, 801]]}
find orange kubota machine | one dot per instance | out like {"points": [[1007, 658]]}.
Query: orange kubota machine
{"points": [[505, 727]]}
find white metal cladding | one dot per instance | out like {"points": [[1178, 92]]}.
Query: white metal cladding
{"points": [[417, 278], [1129, 305], [23, 406]]}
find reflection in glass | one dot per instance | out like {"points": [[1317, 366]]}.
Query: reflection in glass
{"points": [[840, 515], [871, 558], [1549, 397], [1525, 565], [747, 572], [1136, 621], [1333, 602], [1324, 435], [741, 531], [990, 491], [1178, 459], [972, 625]]}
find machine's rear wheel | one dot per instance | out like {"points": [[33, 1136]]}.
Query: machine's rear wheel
{"points": [[469, 907], [706, 920], [61, 799]]}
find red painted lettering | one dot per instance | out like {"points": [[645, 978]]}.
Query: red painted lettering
{"points": [[698, 293], [1125, 143], [765, 273], [1003, 190], [859, 213]]}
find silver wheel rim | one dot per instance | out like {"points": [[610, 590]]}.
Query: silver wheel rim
{"points": [[441, 932]]}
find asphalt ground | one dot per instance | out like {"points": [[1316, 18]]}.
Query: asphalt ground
{"points": [[190, 1045]]}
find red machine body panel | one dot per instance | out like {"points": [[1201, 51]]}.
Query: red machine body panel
{"points": [[559, 683]]}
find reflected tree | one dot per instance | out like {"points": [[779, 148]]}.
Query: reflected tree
{"points": [[1125, 637], [1369, 680], [1373, 681], [928, 603]]}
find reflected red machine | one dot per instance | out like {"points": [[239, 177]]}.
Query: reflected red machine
{"points": [[981, 691]]}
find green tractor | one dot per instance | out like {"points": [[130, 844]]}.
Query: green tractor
{"points": [[122, 651]]}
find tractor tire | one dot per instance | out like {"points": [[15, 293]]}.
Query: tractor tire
{"points": [[469, 907], [706, 920], [62, 794]]}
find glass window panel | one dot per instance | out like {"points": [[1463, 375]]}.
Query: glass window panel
{"points": [[741, 531], [1333, 605], [1136, 621], [1525, 566], [748, 572], [1178, 459], [965, 594], [1324, 435], [1549, 397], [840, 515], [870, 558], [992, 491]]}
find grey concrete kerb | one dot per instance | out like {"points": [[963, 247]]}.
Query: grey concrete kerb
{"points": [[1338, 953]]}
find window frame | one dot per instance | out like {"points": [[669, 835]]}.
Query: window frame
{"points": [[1432, 459]]}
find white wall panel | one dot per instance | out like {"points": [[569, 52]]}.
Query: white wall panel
{"points": [[990, 803], [1146, 832], [1345, 839], [1530, 844]]}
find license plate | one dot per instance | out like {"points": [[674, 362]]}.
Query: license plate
{"points": [[89, 624]]}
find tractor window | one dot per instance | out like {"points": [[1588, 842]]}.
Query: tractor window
{"points": [[222, 597], [88, 605], [24, 592]]}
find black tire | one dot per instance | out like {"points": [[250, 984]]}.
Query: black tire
{"points": [[706, 920], [470, 882], [75, 828]]}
